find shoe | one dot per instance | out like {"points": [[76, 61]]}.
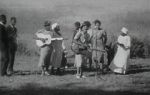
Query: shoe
{"points": [[47, 73], [78, 77], [10, 73], [83, 76]]}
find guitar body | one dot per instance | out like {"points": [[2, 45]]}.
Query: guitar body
{"points": [[77, 48], [47, 38]]}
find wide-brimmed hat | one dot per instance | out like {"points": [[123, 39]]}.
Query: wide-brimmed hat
{"points": [[124, 30], [54, 25]]}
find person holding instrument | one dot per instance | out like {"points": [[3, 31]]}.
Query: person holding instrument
{"points": [[46, 48], [82, 40]]}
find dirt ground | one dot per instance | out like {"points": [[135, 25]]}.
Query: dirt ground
{"points": [[28, 81]]}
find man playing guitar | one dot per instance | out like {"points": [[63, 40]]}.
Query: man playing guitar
{"points": [[43, 39]]}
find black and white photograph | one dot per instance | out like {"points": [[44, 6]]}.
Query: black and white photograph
{"points": [[74, 47]]}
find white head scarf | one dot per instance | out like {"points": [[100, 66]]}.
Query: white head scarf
{"points": [[54, 25], [124, 30]]}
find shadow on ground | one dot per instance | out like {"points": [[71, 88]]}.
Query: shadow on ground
{"points": [[134, 69], [36, 89]]}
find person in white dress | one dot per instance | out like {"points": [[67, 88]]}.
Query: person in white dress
{"points": [[120, 61]]}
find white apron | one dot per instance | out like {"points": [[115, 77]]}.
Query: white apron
{"points": [[120, 62]]}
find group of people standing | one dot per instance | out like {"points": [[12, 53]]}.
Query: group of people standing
{"points": [[51, 54], [88, 44], [8, 45]]}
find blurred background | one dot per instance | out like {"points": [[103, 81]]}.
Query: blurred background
{"points": [[114, 14]]}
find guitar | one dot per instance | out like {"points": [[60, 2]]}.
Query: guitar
{"points": [[42, 40]]}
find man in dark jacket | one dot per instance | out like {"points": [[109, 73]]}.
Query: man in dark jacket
{"points": [[12, 43], [3, 46]]}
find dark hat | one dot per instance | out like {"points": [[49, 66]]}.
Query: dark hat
{"points": [[47, 23]]}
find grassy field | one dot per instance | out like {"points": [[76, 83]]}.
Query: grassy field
{"points": [[27, 81], [114, 14]]}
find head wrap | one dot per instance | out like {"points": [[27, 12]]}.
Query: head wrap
{"points": [[54, 25], [124, 30]]}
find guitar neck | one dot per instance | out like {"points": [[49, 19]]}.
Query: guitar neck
{"points": [[40, 38], [58, 39]]}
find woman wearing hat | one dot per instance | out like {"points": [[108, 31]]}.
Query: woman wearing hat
{"points": [[120, 62], [82, 39]]}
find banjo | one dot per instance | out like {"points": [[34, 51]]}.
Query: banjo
{"points": [[42, 39]]}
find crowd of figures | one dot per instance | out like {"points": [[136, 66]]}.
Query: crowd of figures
{"points": [[88, 44]]}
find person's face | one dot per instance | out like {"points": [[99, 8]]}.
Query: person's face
{"points": [[48, 28], [13, 22], [84, 29], [97, 25]]}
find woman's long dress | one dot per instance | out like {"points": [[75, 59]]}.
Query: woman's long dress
{"points": [[57, 51], [120, 62]]}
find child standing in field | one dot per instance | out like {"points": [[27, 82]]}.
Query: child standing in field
{"points": [[82, 40]]}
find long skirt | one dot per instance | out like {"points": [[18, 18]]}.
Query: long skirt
{"points": [[57, 54], [45, 56], [120, 61]]}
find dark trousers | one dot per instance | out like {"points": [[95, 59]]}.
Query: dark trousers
{"points": [[3, 61], [11, 55]]}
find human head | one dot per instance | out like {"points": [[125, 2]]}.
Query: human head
{"points": [[77, 25], [3, 19], [124, 31], [84, 27], [47, 25], [88, 24], [13, 21], [97, 24]]}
